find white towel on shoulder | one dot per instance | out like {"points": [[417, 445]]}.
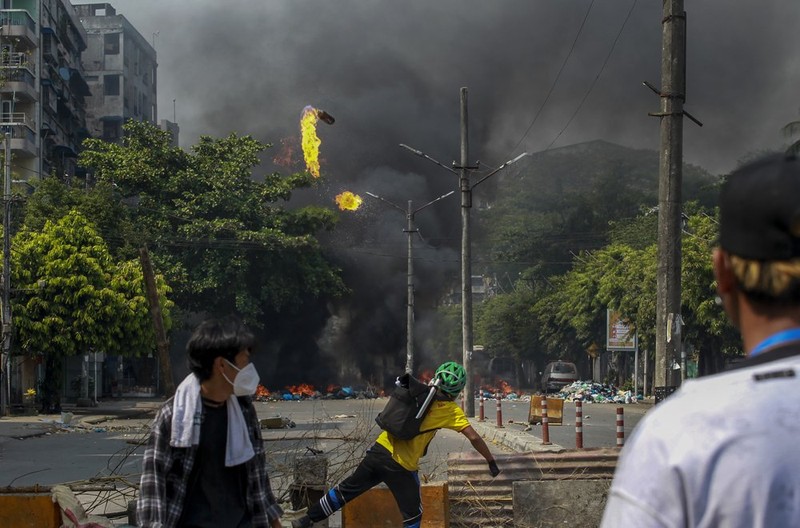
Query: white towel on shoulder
{"points": [[187, 412]]}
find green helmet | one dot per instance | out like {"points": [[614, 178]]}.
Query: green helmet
{"points": [[453, 377]]}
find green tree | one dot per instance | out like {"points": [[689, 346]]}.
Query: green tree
{"points": [[623, 278], [507, 326], [74, 298], [221, 238]]}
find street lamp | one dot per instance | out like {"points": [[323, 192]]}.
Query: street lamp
{"points": [[410, 229], [466, 256]]}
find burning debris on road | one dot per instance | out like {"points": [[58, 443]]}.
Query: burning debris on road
{"points": [[305, 391]]}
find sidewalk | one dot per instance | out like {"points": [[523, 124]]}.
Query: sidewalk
{"points": [[19, 426]]}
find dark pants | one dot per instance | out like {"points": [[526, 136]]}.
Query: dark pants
{"points": [[376, 467]]}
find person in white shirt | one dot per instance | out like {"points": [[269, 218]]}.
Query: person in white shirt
{"points": [[722, 450]]}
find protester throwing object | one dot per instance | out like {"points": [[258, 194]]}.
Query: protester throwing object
{"points": [[395, 462]]}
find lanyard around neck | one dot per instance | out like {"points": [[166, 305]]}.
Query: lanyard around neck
{"points": [[780, 338]]}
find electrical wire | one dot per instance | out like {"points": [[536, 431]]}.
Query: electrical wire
{"points": [[555, 81], [591, 87], [597, 77]]}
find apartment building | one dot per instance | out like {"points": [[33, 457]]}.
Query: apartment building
{"points": [[121, 69], [43, 88]]}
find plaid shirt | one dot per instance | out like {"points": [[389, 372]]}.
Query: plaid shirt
{"points": [[166, 470]]}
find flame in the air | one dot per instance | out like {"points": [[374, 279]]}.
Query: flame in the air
{"points": [[348, 201], [310, 141]]}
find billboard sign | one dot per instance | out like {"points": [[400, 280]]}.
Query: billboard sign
{"points": [[620, 332]]}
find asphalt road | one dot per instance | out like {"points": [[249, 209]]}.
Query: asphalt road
{"points": [[108, 455]]}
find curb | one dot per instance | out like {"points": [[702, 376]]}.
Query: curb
{"points": [[514, 439], [98, 419]]}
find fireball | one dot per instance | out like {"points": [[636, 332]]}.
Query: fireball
{"points": [[348, 201]]}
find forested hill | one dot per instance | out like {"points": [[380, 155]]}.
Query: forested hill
{"points": [[547, 208]]}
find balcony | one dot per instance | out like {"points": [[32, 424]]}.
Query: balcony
{"points": [[21, 82], [23, 138], [19, 23]]}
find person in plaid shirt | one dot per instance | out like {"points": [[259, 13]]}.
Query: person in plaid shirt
{"points": [[204, 465]]}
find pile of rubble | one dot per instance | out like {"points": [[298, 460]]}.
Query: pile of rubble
{"points": [[589, 391]]}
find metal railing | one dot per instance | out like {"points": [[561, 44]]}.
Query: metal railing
{"points": [[23, 76], [15, 59], [16, 118]]}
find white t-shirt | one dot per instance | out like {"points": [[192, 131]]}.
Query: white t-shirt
{"points": [[722, 452]]}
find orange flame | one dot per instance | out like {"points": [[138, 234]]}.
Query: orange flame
{"points": [[500, 387], [310, 141], [332, 388], [262, 392], [348, 201], [304, 389]]}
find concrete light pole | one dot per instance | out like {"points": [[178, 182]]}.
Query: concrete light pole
{"points": [[410, 230], [668, 278], [466, 243], [5, 397]]}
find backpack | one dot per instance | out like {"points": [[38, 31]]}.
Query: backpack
{"points": [[398, 417]]}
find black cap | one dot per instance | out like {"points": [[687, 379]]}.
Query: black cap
{"points": [[760, 210]]}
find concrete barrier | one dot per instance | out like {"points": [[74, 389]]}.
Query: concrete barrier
{"points": [[29, 510], [377, 508], [559, 503]]}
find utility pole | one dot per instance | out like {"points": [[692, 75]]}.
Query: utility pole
{"points": [[466, 258], [162, 344], [410, 230], [466, 243], [5, 397], [673, 96], [410, 212]]}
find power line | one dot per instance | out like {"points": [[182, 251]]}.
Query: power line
{"points": [[597, 77], [558, 76]]}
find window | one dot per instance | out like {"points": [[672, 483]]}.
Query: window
{"points": [[111, 130], [111, 84], [8, 108], [111, 43]]}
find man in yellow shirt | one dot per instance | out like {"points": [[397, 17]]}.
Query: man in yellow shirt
{"points": [[395, 462]]}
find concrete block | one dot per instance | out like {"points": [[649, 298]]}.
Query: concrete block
{"points": [[559, 503], [377, 508]]}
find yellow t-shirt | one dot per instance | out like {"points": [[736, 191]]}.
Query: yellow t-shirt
{"points": [[442, 415]]}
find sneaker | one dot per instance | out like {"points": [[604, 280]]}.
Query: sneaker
{"points": [[303, 522]]}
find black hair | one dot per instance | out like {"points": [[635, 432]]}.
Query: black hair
{"points": [[213, 338]]}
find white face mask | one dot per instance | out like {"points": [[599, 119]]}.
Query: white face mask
{"points": [[246, 381]]}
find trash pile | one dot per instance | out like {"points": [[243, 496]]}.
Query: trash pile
{"points": [[305, 391], [589, 391]]}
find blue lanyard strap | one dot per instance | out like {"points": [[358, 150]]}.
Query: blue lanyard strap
{"points": [[784, 336]]}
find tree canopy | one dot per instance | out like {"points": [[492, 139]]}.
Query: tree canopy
{"points": [[72, 297], [220, 236]]}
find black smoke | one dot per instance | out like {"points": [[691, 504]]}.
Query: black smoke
{"points": [[390, 73]]}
